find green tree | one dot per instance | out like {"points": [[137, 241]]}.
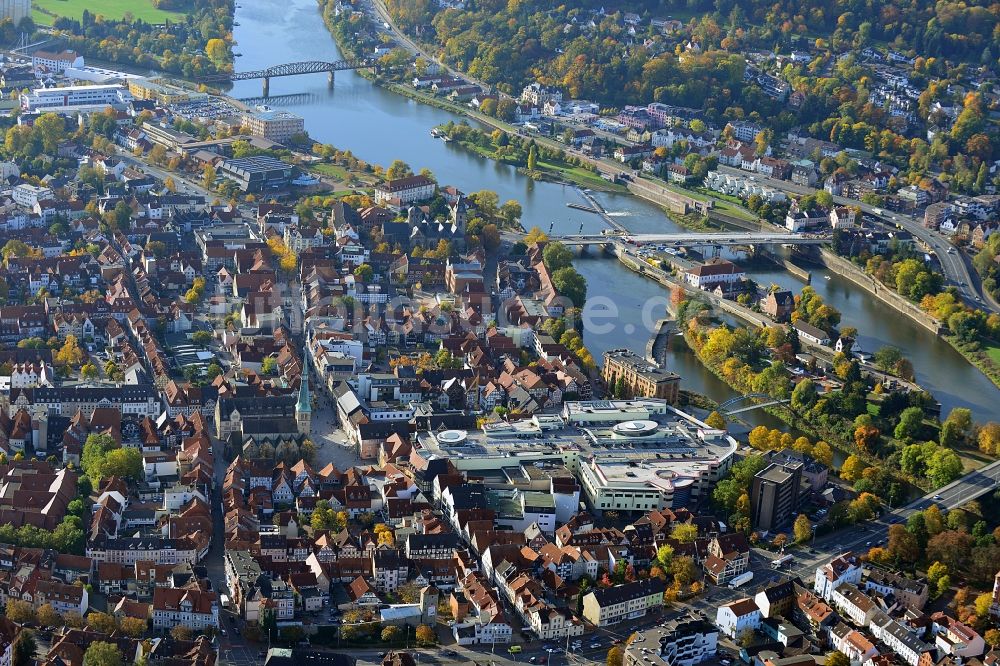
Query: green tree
{"points": [[684, 532], [100, 653], [571, 285], [364, 272], [201, 338], [910, 423], [556, 256], [804, 395], [24, 648], [126, 463], [532, 158], [269, 366]]}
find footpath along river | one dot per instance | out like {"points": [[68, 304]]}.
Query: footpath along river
{"points": [[380, 126]]}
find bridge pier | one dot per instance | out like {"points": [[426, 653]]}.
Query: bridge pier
{"points": [[267, 86], [329, 80]]}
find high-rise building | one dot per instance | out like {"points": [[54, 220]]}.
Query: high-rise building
{"points": [[15, 10], [774, 495]]}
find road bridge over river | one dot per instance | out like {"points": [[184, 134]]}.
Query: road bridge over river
{"points": [[690, 239], [294, 69]]}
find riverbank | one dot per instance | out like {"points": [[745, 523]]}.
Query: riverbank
{"points": [[982, 359], [549, 166], [974, 353]]}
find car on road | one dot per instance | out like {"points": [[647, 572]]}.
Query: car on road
{"points": [[223, 632], [595, 645], [938, 497], [449, 653], [533, 660]]}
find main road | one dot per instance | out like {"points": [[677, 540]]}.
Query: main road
{"points": [[858, 539]]}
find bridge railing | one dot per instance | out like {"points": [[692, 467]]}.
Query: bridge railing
{"points": [[294, 69]]}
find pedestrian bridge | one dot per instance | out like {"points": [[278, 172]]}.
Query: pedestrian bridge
{"points": [[731, 407], [689, 239]]}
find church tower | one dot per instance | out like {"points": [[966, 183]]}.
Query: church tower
{"points": [[303, 407], [429, 597]]}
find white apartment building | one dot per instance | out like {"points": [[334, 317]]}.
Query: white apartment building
{"points": [[191, 608], [27, 195], [842, 569], [55, 62], [404, 191], [736, 617]]}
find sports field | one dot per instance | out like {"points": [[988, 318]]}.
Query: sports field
{"points": [[45, 11]]}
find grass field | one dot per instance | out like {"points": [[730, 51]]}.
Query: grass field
{"points": [[994, 354], [45, 11]]}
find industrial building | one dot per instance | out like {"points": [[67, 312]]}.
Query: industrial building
{"points": [[76, 98], [257, 174]]}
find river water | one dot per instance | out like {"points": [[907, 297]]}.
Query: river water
{"points": [[379, 126]]}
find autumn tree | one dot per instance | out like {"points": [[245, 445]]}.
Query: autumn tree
{"points": [[133, 627], [217, 51], [48, 616], [802, 529], [181, 633], [950, 547], [20, 611], [852, 468], [837, 658], [983, 603], [102, 622], [425, 635], [903, 545], [70, 354], [391, 633], [715, 420], [989, 438]]}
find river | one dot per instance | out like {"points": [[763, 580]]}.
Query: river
{"points": [[379, 126]]}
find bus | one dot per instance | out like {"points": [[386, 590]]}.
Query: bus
{"points": [[781, 561]]}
